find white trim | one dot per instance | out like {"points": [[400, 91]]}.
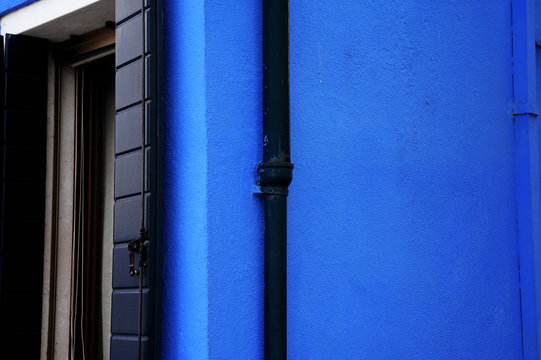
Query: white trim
{"points": [[56, 20], [40, 13]]}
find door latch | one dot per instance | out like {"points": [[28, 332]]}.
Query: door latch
{"points": [[138, 246]]}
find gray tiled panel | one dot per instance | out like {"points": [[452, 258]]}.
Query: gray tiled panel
{"points": [[128, 128], [128, 84], [121, 267], [129, 40], [125, 311], [128, 218], [125, 347], [128, 173], [126, 8]]}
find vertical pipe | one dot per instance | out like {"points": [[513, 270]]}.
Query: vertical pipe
{"points": [[528, 172], [276, 81], [275, 172], [275, 277]]}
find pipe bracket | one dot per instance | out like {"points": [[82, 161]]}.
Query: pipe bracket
{"points": [[274, 177], [271, 190], [526, 109]]}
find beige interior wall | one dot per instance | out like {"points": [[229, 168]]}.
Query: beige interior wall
{"points": [[107, 211], [65, 215], [48, 208]]}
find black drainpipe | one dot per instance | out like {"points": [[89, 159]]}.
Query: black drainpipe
{"points": [[275, 172]]}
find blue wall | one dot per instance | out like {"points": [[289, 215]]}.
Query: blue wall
{"points": [[213, 271], [402, 211], [185, 273], [7, 6]]}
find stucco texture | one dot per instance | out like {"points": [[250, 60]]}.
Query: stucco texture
{"points": [[402, 233], [402, 210], [213, 235]]}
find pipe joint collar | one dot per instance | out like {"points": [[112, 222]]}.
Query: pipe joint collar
{"points": [[275, 177]]}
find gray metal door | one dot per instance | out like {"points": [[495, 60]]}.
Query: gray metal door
{"points": [[137, 176]]}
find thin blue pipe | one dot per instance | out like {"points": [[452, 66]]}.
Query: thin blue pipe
{"points": [[527, 168]]}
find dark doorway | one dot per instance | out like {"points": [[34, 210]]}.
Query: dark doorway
{"points": [[22, 192], [94, 112]]}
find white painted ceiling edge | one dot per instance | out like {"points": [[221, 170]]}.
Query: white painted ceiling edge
{"points": [[57, 20]]}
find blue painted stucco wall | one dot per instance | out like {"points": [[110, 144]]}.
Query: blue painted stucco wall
{"points": [[213, 256], [402, 212], [402, 217], [7, 6]]}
